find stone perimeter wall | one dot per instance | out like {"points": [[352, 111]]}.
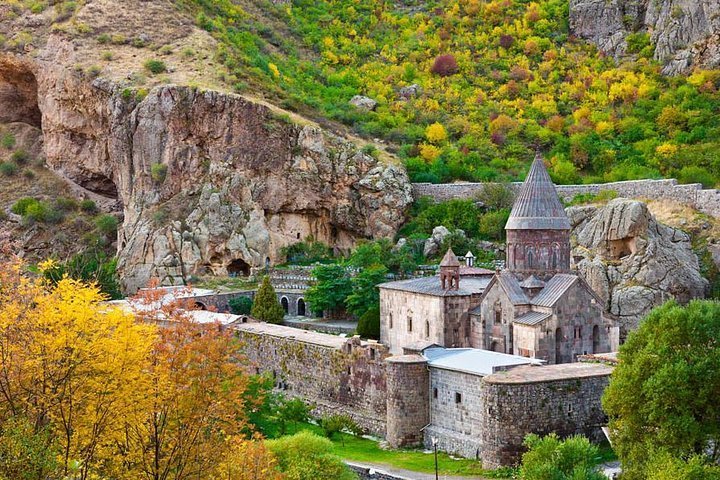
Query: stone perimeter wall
{"points": [[692, 195], [347, 378]]}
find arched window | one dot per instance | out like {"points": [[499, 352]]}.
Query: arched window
{"points": [[529, 256], [498, 313]]}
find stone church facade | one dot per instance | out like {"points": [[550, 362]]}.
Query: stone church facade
{"points": [[537, 307]]}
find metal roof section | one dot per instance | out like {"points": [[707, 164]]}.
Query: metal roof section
{"points": [[554, 289], [538, 207], [432, 286], [512, 288], [450, 259], [532, 318], [474, 361]]}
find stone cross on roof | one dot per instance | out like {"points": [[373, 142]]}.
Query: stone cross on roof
{"points": [[538, 207]]}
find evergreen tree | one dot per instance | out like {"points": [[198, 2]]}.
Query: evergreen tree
{"points": [[265, 305]]}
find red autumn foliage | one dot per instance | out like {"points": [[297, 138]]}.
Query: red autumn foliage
{"points": [[445, 65]]}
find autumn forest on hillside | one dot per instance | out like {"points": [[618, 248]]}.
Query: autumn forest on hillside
{"points": [[497, 80]]}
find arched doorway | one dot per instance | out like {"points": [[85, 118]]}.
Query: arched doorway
{"points": [[596, 339], [301, 307], [238, 267], [558, 345], [200, 306], [285, 304]]}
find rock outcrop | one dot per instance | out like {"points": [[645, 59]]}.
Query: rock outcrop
{"points": [[632, 261], [685, 33], [207, 182]]}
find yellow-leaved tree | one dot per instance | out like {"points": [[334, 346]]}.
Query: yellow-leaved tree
{"points": [[71, 367]]}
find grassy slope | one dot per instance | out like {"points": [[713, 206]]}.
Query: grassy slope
{"points": [[522, 83]]}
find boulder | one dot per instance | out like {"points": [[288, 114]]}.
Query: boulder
{"points": [[632, 261], [432, 244], [406, 93], [364, 103]]}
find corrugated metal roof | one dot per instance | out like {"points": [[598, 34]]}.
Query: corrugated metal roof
{"points": [[554, 289], [538, 207], [432, 286], [532, 318], [512, 288], [473, 360]]}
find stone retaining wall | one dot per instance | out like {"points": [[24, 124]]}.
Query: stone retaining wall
{"points": [[369, 473], [692, 195]]}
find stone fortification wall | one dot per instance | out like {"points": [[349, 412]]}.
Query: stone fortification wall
{"points": [[488, 417], [338, 375], [692, 195], [556, 398]]}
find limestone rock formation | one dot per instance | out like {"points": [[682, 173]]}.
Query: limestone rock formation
{"points": [[207, 182], [632, 261], [685, 33]]}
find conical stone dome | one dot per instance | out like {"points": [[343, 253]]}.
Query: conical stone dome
{"points": [[538, 207]]}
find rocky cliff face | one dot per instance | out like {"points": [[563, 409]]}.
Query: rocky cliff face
{"points": [[207, 182], [685, 33], [632, 261]]}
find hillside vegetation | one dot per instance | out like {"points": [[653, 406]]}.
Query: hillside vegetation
{"points": [[497, 80]]}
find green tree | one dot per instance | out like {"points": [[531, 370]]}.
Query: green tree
{"points": [[26, 453], [663, 395], [240, 305], [549, 458], [369, 323], [265, 304], [666, 467], [91, 266], [294, 411], [332, 287], [365, 294], [306, 456]]}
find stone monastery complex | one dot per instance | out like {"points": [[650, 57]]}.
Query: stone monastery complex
{"points": [[472, 359]]}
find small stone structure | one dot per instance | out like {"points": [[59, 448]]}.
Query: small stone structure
{"points": [[693, 195]]}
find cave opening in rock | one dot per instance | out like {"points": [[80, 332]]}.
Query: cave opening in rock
{"points": [[238, 267], [18, 94]]}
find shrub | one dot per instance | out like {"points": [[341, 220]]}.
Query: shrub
{"points": [[8, 169], [88, 206], [240, 305], [435, 133], [106, 224], [551, 458], [29, 174], [40, 211], [693, 174], [158, 172], [107, 56], [445, 65], [155, 66], [369, 324], [305, 456], [20, 207], [496, 196], [66, 204], [20, 156], [93, 71], [491, 225], [7, 140], [103, 39], [506, 41]]}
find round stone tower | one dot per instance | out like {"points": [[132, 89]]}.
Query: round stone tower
{"points": [[538, 230], [408, 399]]}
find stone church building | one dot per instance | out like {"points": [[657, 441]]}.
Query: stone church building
{"points": [[537, 307]]}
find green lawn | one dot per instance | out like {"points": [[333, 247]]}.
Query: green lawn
{"points": [[362, 450]]}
